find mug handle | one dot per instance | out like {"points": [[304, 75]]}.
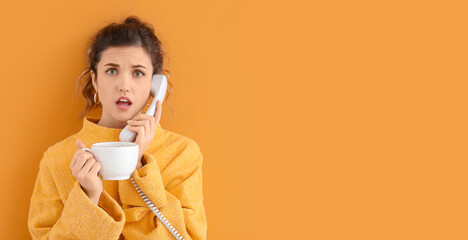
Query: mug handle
{"points": [[86, 149]]}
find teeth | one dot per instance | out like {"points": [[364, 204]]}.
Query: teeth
{"points": [[123, 100]]}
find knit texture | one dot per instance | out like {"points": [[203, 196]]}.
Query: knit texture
{"points": [[171, 177]]}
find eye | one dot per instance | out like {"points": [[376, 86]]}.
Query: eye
{"points": [[141, 73], [110, 69]]}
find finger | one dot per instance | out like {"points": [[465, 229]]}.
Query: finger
{"points": [[95, 169], [146, 123], [77, 158], [134, 123], [141, 122], [158, 112], [157, 108], [88, 165], [139, 116], [74, 159], [82, 160], [142, 117], [79, 144], [151, 119], [138, 129]]}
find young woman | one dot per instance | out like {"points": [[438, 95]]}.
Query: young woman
{"points": [[70, 200]]}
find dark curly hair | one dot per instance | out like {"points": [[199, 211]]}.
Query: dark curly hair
{"points": [[132, 32]]}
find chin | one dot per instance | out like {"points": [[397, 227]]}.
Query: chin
{"points": [[122, 116]]}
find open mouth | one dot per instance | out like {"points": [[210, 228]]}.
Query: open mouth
{"points": [[123, 105]]}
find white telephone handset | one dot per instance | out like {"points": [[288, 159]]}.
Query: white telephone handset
{"points": [[158, 91]]}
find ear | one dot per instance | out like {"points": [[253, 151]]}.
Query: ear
{"points": [[93, 77]]}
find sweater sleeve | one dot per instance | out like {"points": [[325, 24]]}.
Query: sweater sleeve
{"points": [[181, 202], [78, 218]]}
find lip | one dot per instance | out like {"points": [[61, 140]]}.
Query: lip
{"points": [[123, 107], [123, 97]]}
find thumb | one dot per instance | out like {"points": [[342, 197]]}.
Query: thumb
{"points": [[79, 144]]}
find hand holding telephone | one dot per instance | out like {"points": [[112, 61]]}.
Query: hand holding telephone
{"points": [[158, 91]]}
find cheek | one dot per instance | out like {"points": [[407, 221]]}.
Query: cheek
{"points": [[143, 95], [105, 95]]}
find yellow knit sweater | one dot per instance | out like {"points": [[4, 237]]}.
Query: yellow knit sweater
{"points": [[171, 177]]}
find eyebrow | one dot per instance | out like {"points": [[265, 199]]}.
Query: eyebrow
{"points": [[117, 65]]}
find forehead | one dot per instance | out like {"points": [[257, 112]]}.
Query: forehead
{"points": [[125, 55]]}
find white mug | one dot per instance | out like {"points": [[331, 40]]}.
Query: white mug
{"points": [[118, 159]]}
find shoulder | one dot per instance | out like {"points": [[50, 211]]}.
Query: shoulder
{"points": [[179, 141], [179, 148], [60, 150]]}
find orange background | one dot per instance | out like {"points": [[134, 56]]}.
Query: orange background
{"points": [[336, 120]]}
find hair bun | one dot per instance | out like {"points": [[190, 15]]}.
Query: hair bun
{"points": [[132, 19]]}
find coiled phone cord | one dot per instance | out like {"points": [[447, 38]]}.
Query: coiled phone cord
{"points": [[156, 211]]}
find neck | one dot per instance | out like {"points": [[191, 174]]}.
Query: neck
{"points": [[92, 132]]}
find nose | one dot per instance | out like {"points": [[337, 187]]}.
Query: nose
{"points": [[124, 84]]}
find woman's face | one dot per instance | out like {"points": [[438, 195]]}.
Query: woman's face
{"points": [[122, 71]]}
